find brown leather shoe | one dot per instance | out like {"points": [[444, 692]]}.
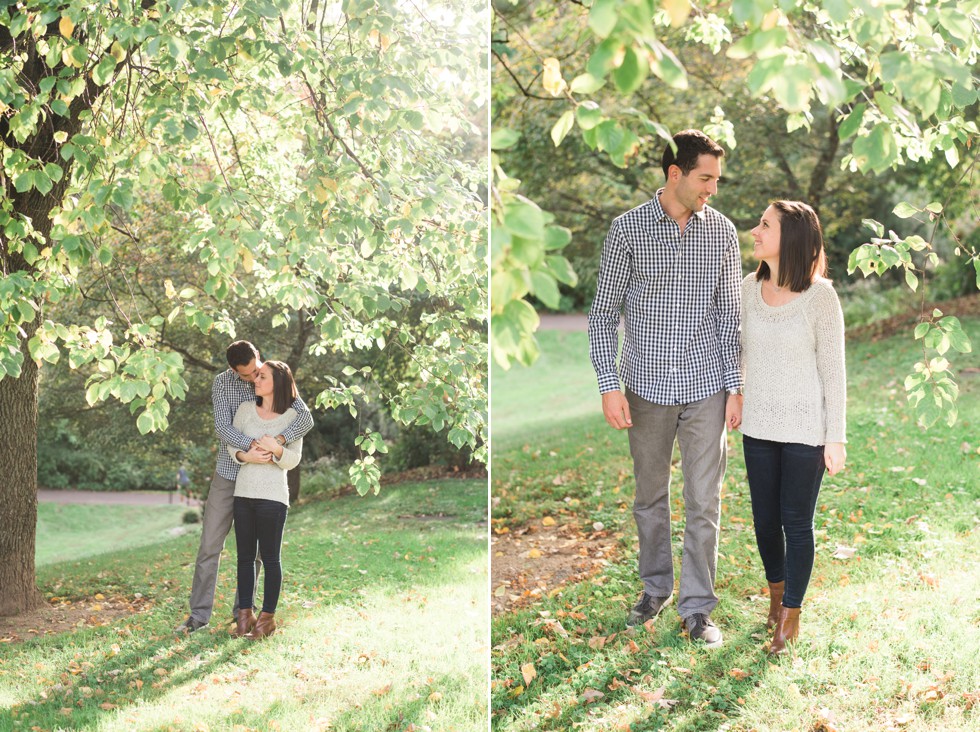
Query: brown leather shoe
{"points": [[266, 625], [787, 629], [246, 621], [775, 601]]}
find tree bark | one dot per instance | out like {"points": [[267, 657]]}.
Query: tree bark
{"points": [[18, 468]]}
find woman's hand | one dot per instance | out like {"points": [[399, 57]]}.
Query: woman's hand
{"points": [[255, 455], [271, 445], [834, 455]]}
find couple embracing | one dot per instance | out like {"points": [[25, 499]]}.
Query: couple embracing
{"points": [[703, 349], [260, 421]]}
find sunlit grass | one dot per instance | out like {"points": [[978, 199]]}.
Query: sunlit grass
{"points": [[383, 626], [64, 530], [890, 636]]}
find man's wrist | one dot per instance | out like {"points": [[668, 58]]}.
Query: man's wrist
{"points": [[735, 392], [281, 440]]}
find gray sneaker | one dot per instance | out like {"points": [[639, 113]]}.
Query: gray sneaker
{"points": [[647, 607], [699, 627], [190, 625]]}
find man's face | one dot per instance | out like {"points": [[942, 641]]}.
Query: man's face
{"points": [[694, 189], [249, 371]]}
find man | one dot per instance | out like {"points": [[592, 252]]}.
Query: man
{"points": [[231, 388], [672, 268]]}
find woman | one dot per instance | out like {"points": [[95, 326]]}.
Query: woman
{"points": [[261, 493], [793, 413]]}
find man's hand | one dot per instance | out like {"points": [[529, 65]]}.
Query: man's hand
{"points": [[271, 445], [617, 410], [255, 455], [733, 411]]}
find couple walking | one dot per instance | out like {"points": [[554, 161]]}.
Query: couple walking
{"points": [[260, 421], [696, 332]]}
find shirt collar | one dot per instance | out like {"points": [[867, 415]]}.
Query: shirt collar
{"points": [[658, 210]]}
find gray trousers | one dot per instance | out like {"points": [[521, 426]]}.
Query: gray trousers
{"points": [[699, 429], [218, 513]]}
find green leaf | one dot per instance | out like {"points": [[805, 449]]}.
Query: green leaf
{"points": [[905, 210], [921, 329], [935, 207], [525, 220], [503, 138], [588, 115], [875, 226], [545, 288], [603, 17], [586, 84], [631, 72], [852, 122], [562, 127], [877, 150], [911, 280]]}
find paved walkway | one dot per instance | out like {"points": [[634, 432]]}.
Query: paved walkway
{"points": [[564, 321], [132, 498]]}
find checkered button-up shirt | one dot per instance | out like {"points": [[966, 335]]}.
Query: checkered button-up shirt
{"points": [[227, 395], [679, 296]]}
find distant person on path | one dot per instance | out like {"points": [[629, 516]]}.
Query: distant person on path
{"points": [[671, 267], [183, 480], [793, 417], [231, 389], [262, 495]]}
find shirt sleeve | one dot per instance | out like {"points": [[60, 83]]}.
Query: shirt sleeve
{"points": [[292, 453], [224, 417], [607, 308], [730, 315], [301, 424], [831, 364]]}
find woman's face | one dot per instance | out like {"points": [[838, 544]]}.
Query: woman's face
{"points": [[263, 381], [766, 237]]}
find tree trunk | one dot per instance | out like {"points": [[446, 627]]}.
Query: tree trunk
{"points": [[18, 490]]}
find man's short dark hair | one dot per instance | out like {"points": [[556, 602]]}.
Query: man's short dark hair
{"points": [[241, 353], [691, 145]]}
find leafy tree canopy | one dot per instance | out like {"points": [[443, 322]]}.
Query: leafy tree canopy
{"points": [[893, 82]]}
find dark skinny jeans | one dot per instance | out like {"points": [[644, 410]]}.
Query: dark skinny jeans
{"points": [[784, 481], [258, 520]]}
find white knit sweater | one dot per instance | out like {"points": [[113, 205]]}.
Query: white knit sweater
{"points": [[793, 364], [265, 480]]}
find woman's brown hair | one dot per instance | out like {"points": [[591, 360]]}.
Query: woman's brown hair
{"points": [[801, 252], [284, 391]]}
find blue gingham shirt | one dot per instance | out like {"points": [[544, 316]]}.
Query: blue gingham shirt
{"points": [[227, 395], [679, 296]]}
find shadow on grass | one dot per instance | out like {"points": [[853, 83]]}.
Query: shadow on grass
{"points": [[692, 687], [336, 549]]}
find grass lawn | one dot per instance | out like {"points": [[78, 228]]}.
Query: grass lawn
{"points": [[890, 630], [64, 530], [383, 615]]}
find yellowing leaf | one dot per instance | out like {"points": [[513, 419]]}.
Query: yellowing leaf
{"points": [[65, 26], [677, 11], [548, 521], [117, 51], [553, 82], [529, 673], [534, 554], [248, 261]]}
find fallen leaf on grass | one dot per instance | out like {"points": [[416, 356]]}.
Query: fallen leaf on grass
{"points": [[548, 521], [655, 697], [929, 579], [844, 552], [597, 642], [382, 691], [739, 674], [529, 673], [591, 695]]}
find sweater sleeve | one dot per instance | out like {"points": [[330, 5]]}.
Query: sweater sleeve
{"points": [[292, 453], [831, 366]]}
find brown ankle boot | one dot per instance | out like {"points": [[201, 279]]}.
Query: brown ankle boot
{"points": [[775, 600], [266, 625], [787, 628], [245, 623]]}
